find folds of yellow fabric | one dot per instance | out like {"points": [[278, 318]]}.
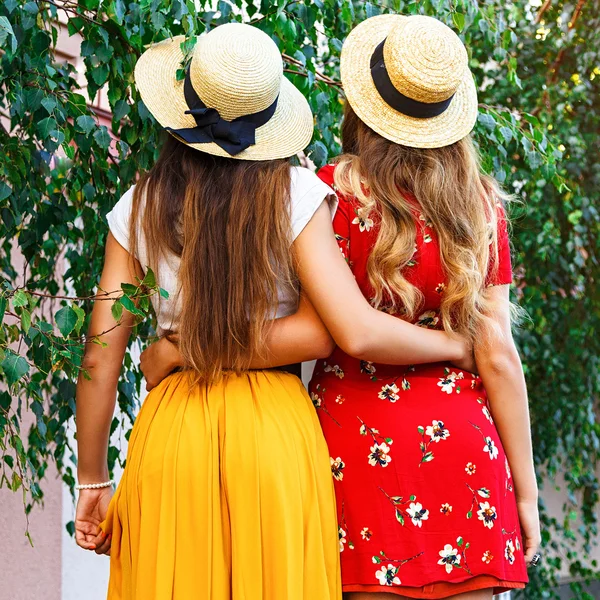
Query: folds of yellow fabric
{"points": [[227, 493]]}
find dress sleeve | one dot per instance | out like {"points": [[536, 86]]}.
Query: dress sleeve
{"points": [[500, 273], [307, 194], [341, 219], [118, 218]]}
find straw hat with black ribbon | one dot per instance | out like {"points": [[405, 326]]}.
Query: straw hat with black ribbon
{"points": [[408, 79], [234, 100]]}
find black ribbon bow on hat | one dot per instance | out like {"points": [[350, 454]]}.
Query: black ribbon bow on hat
{"points": [[397, 100], [232, 136]]}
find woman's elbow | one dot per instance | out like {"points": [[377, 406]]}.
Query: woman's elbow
{"points": [[355, 345], [500, 361], [97, 363], [324, 345]]}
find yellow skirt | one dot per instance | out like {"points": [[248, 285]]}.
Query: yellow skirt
{"points": [[227, 494]]}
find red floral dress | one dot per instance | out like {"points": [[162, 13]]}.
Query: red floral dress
{"points": [[425, 498]]}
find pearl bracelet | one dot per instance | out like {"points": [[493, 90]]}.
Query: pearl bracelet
{"points": [[94, 486]]}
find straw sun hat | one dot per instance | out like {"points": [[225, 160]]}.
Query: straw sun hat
{"points": [[235, 100], [408, 79]]}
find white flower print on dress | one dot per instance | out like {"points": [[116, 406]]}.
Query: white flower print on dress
{"points": [[337, 371], [440, 287], [417, 513], [364, 430], [448, 383], [388, 575], [339, 399], [389, 392], [487, 413], [487, 557], [379, 455], [450, 558], [342, 538], [446, 509], [427, 238], [413, 261], [366, 533], [509, 552], [487, 514], [437, 431], [316, 399], [470, 468], [428, 319], [367, 367], [491, 448], [337, 467], [362, 219]]}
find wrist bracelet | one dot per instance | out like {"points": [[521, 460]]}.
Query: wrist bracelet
{"points": [[94, 486]]}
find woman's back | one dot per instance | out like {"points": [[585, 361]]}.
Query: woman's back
{"points": [[406, 442], [357, 230], [307, 192]]}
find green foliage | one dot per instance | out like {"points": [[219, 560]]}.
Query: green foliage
{"points": [[61, 170]]}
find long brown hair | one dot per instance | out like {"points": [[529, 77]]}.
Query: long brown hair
{"points": [[229, 222], [454, 196]]}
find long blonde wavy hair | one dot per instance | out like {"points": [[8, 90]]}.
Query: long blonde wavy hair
{"points": [[453, 195]]}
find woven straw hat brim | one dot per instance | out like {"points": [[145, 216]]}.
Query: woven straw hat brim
{"points": [[287, 132], [453, 124]]}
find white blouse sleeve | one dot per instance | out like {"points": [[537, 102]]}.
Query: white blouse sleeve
{"points": [[118, 218], [307, 194]]}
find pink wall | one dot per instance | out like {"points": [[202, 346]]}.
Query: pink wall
{"points": [[29, 573]]}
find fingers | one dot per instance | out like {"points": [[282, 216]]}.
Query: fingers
{"points": [[104, 547], [84, 541], [530, 551]]}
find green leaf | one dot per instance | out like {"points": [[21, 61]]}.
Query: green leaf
{"points": [[80, 318], [507, 133], [86, 123], [5, 190], [117, 310], [459, 20], [459, 541], [25, 321], [100, 74], [399, 517], [487, 121], [318, 153], [49, 103], [121, 110], [6, 30], [14, 367], [47, 125], [102, 137], [31, 8], [3, 304], [19, 299], [149, 279], [66, 319]]}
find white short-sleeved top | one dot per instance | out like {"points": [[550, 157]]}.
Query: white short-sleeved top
{"points": [[306, 195]]}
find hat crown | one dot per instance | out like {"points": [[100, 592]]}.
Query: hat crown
{"points": [[425, 60], [236, 69]]}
